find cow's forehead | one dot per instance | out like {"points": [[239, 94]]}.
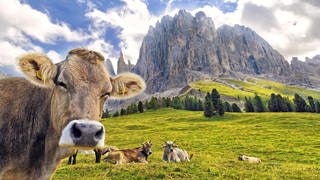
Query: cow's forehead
{"points": [[169, 143], [85, 70]]}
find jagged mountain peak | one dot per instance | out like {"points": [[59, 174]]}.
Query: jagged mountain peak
{"points": [[186, 48]]}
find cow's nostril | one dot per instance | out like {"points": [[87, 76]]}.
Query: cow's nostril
{"points": [[75, 131], [99, 133]]}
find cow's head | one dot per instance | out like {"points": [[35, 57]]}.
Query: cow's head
{"points": [[146, 148], [169, 146], [80, 85]]}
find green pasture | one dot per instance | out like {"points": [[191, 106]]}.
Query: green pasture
{"points": [[287, 143]]}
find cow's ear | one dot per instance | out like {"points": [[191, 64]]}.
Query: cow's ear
{"points": [[38, 68], [127, 85]]}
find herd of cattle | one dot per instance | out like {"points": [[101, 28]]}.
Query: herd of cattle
{"points": [[139, 154], [56, 108], [171, 153]]}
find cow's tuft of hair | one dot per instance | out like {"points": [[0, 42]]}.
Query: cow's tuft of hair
{"points": [[87, 55]]}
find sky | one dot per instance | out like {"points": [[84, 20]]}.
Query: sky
{"points": [[53, 27]]}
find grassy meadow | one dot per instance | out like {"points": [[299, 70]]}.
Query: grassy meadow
{"points": [[248, 88], [287, 143]]}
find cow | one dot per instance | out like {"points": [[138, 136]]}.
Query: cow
{"points": [[136, 155], [172, 153], [54, 110], [98, 153], [249, 159]]}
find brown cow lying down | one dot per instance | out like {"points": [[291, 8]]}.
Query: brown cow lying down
{"points": [[55, 109], [138, 155], [98, 153], [172, 153], [249, 159]]}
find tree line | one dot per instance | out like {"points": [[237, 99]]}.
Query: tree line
{"points": [[214, 106], [277, 103]]}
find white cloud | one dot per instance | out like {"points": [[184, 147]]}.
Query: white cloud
{"points": [[19, 23], [34, 23], [133, 19], [54, 56]]}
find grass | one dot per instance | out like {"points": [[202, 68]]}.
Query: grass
{"points": [[287, 143], [251, 86]]}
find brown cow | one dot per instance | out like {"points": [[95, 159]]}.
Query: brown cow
{"points": [[57, 109], [139, 155]]}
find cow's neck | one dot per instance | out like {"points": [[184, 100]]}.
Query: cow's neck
{"points": [[53, 155], [35, 141]]}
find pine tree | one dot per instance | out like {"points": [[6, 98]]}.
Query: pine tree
{"points": [[311, 104], [317, 107], [106, 114], [300, 103], [215, 97], [177, 103], [257, 104], [288, 104], [153, 103], [200, 105], [123, 112], [140, 107], [273, 103], [208, 106], [235, 108], [227, 106], [220, 108], [116, 114], [248, 107]]}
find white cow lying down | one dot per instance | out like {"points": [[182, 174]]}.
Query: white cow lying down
{"points": [[172, 153], [249, 159]]}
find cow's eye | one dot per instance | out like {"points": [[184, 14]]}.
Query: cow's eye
{"points": [[105, 95], [62, 84]]}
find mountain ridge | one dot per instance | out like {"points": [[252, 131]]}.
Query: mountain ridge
{"points": [[186, 48]]}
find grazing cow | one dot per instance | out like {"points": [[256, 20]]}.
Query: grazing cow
{"points": [[249, 159], [55, 110], [138, 155], [98, 153], [172, 153]]}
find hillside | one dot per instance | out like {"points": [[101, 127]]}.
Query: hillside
{"points": [[233, 89], [287, 143]]}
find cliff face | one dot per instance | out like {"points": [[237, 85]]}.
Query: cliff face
{"points": [[186, 48], [122, 66], [109, 67], [246, 52], [305, 73]]}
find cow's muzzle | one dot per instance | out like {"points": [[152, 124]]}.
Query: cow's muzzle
{"points": [[83, 133]]}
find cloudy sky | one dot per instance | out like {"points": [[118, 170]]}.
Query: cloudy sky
{"points": [[53, 27]]}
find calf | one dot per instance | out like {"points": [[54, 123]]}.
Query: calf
{"points": [[172, 153], [139, 155], [55, 109], [249, 159], [98, 153]]}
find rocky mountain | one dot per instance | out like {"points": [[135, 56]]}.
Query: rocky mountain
{"points": [[186, 48], [109, 67], [122, 66], [306, 73]]}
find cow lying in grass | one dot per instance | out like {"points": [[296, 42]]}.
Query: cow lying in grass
{"points": [[98, 153], [172, 153], [249, 159], [138, 155]]}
